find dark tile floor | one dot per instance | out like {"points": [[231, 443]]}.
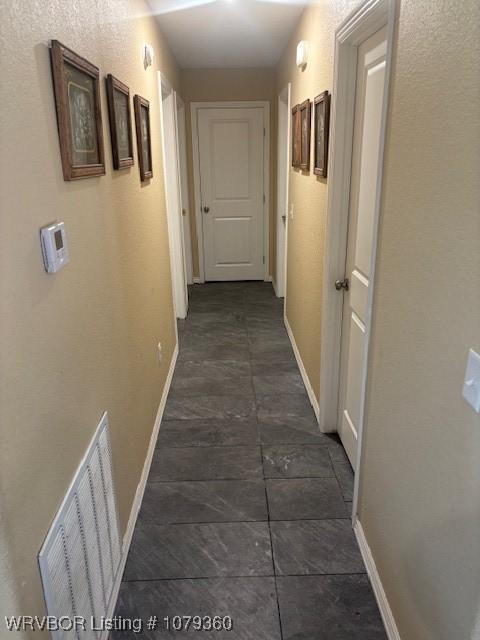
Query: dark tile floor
{"points": [[247, 508]]}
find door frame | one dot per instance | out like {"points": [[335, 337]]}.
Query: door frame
{"points": [[362, 23], [283, 147], [194, 109], [173, 199], [183, 174]]}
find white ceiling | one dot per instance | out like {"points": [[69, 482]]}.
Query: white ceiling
{"points": [[227, 33]]}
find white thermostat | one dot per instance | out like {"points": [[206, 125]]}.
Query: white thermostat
{"points": [[54, 247]]}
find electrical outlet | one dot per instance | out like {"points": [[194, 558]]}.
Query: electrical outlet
{"points": [[160, 352], [471, 386]]}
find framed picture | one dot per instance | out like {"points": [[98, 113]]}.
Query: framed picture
{"points": [[296, 136], [144, 144], [118, 96], [322, 126], [77, 98], [305, 119]]}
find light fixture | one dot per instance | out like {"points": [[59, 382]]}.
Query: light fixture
{"points": [[147, 54], [302, 54]]}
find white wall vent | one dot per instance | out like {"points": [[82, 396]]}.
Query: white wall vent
{"points": [[81, 555]]}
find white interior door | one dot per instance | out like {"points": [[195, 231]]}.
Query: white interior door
{"points": [[231, 159], [364, 187], [185, 205], [283, 166]]}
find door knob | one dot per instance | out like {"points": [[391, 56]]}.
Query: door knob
{"points": [[184, 212], [206, 209], [342, 284]]}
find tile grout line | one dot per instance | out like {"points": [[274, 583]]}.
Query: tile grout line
{"points": [[247, 444], [268, 514], [198, 522], [243, 478], [241, 577], [271, 546]]}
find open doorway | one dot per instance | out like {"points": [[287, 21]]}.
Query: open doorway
{"points": [[283, 167], [173, 194]]}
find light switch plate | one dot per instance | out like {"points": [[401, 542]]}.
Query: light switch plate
{"points": [[471, 386]]}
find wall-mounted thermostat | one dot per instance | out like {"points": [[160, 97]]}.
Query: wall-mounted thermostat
{"points": [[54, 247]]}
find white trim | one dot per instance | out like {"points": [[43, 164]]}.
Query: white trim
{"points": [[303, 371], [284, 97], [197, 280], [137, 501], [368, 18], [275, 287], [194, 107], [173, 198], [380, 595], [183, 180]]}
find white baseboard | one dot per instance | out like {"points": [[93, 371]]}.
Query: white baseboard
{"points": [[268, 279], [137, 501], [197, 280], [385, 611], [303, 372]]}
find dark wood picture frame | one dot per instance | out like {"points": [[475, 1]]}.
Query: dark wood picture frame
{"points": [[77, 98], [144, 140], [296, 136], [322, 130], [305, 125], [120, 123]]}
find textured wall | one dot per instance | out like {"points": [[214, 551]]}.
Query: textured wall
{"points": [[84, 340], [210, 85], [308, 193], [420, 495]]}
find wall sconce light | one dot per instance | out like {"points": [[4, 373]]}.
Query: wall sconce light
{"points": [[302, 54], [147, 54]]}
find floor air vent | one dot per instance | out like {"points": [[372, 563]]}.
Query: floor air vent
{"points": [[81, 555]]}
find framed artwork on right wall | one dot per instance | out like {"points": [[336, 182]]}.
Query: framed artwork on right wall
{"points": [[305, 126], [296, 136], [322, 126]]}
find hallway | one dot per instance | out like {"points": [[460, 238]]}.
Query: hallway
{"points": [[246, 512]]}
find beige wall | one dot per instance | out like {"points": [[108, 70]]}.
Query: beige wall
{"points": [[420, 490], [210, 85], [420, 493], [308, 193], [84, 340]]}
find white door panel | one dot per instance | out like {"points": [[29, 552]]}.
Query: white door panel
{"points": [[375, 80], [354, 366], [359, 294], [361, 233], [232, 190]]}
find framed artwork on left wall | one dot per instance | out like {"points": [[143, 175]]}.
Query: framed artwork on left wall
{"points": [[144, 142], [118, 95], [79, 116]]}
